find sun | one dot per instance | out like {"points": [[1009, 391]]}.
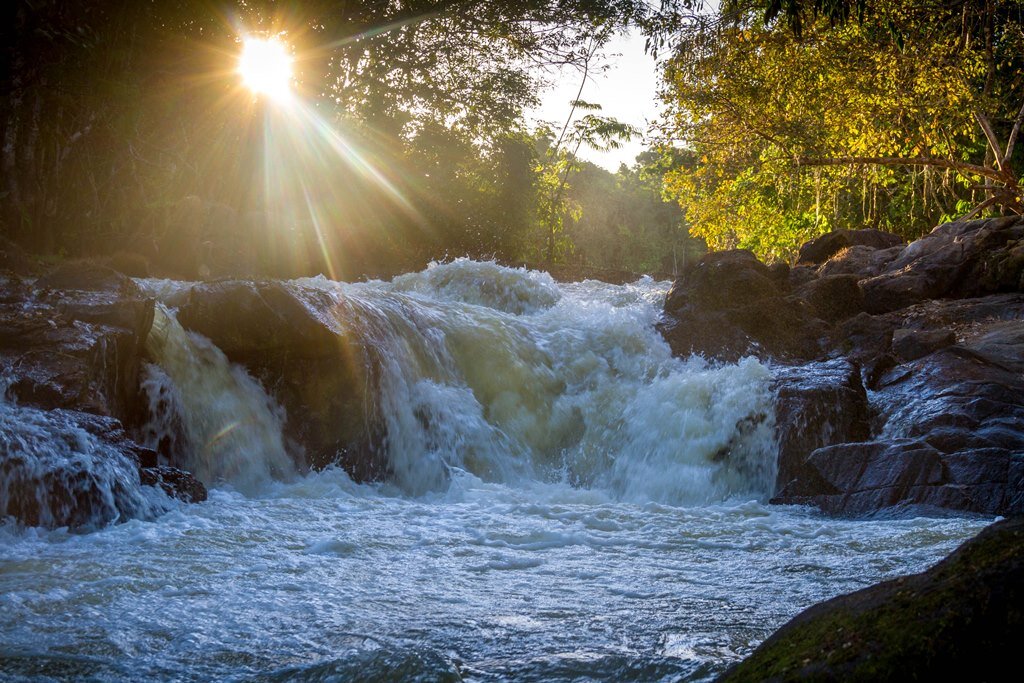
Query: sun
{"points": [[266, 67]]}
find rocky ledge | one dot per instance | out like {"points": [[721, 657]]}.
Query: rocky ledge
{"points": [[899, 367], [71, 345]]}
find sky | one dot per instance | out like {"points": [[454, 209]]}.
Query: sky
{"points": [[626, 90]]}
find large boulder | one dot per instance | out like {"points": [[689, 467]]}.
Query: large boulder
{"points": [[859, 260], [297, 341], [960, 620], [956, 260], [821, 249], [729, 305], [247, 318]]}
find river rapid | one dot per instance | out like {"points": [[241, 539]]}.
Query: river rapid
{"points": [[567, 502]]}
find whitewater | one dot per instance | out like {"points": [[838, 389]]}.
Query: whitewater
{"points": [[565, 501]]}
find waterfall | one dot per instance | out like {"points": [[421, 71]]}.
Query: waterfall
{"points": [[232, 428], [509, 376], [493, 372]]}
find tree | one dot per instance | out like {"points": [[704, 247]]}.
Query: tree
{"points": [[893, 121], [114, 111]]}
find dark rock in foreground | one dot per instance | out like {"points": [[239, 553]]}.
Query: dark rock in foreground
{"points": [[960, 620]]}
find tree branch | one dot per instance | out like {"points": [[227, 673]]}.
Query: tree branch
{"points": [[1010, 141], [990, 135]]}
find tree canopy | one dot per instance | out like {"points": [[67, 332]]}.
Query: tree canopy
{"points": [[809, 116], [413, 143]]}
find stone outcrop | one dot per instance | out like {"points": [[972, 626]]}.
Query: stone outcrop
{"points": [[71, 345], [73, 339], [934, 331], [294, 341], [821, 249], [730, 304], [960, 620]]}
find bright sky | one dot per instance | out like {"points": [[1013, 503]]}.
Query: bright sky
{"points": [[625, 90]]}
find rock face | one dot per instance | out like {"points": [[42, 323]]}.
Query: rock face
{"points": [[70, 352], [292, 339], [729, 305], [901, 381], [960, 620]]}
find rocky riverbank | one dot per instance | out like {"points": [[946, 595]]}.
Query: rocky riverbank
{"points": [[899, 367], [71, 347]]}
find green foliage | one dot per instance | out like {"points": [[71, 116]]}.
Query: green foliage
{"points": [[797, 129]]}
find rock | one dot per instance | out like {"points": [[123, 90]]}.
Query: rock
{"points": [[913, 344], [833, 297], [961, 620], [292, 339], [729, 305], [860, 479], [859, 260], [175, 483], [951, 436], [89, 276], [816, 405], [822, 248], [68, 468], [75, 348], [956, 260], [247, 318]]}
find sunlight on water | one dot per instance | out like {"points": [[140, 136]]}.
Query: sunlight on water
{"points": [[569, 503]]}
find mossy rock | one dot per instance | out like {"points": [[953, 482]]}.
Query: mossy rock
{"points": [[961, 620]]}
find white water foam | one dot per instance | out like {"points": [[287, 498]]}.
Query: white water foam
{"points": [[233, 430], [502, 373]]}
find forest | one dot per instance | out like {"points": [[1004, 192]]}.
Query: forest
{"points": [[125, 131]]}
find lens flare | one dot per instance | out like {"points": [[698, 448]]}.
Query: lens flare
{"points": [[266, 67]]}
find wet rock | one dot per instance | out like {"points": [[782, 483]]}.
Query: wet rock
{"points": [[816, 405], [861, 479], [68, 468], [819, 250], [951, 436], [913, 344], [960, 620], [292, 339], [833, 297], [78, 347], [175, 483], [729, 305]]}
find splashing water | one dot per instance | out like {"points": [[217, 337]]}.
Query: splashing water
{"points": [[567, 502], [233, 431], [506, 375]]}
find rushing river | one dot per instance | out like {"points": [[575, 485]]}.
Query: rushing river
{"points": [[568, 503]]}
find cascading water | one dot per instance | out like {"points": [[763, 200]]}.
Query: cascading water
{"points": [[565, 501], [55, 472], [232, 429], [507, 376]]}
